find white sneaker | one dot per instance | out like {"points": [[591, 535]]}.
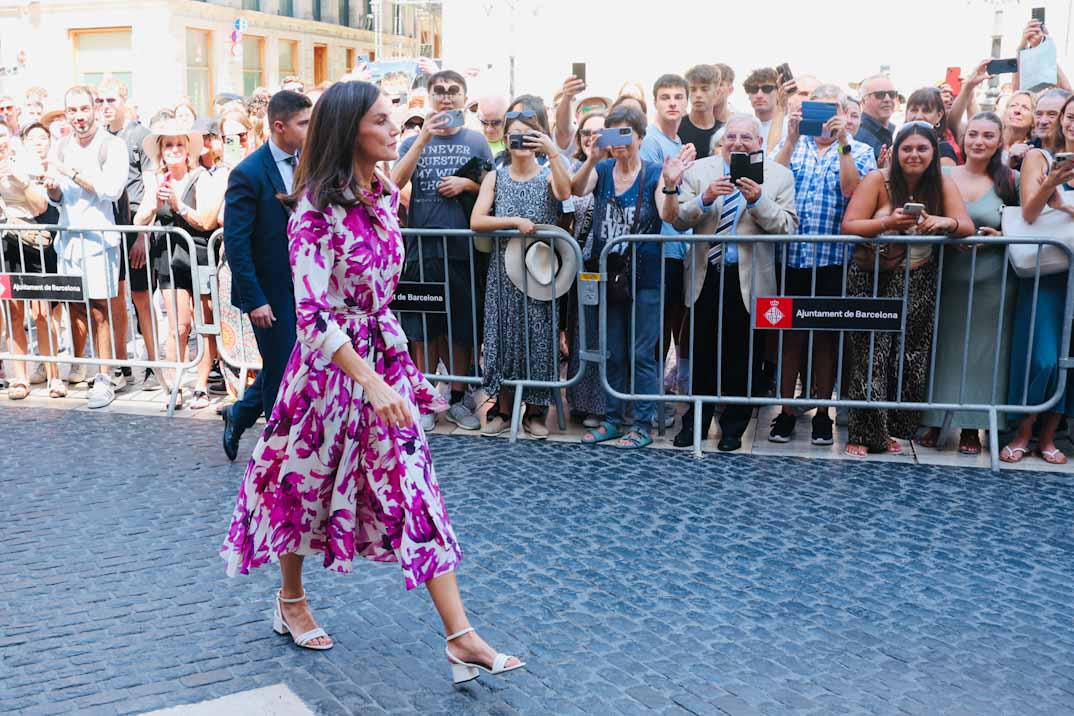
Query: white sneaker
{"points": [[101, 393], [38, 376], [461, 416], [428, 422], [77, 374], [119, 381]]}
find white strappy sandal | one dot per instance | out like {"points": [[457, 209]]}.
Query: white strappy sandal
{"points": [[463, 671], [280, 626]]}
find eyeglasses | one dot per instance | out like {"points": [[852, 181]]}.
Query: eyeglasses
{"points": [[241, 136], [744, 138], [7, 108], [446, 91], [883, 94], [491, 123], [103, 100], [754, 89], [521, 114]]}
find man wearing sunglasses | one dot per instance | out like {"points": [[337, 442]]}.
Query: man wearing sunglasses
{"points": [[430, 162], [490, 111], [762, 89], [9, 115], [878, 97]]}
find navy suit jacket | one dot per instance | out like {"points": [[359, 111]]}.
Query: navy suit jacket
{"points": [[255, 236]]}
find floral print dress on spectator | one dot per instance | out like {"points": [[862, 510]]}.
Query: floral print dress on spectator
{"points": [[328, 476]]}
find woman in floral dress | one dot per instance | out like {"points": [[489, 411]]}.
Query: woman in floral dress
{"points": [[343, 468]]}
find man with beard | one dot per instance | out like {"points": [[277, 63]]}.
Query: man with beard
{"points": [[87, 176]]}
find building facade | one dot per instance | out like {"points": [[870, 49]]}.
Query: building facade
{"points": [[169, 49]]}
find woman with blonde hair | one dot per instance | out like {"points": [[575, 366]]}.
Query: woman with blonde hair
{"points": [[182, 194]]}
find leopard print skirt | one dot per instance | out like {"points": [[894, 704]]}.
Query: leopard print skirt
{"points": [[872, 427]]}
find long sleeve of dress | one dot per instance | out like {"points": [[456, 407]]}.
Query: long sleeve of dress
{"points": [[313, 256]]}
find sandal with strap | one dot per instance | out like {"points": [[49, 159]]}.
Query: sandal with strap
{"points": [[1054, 456], [201, 399], [1012, 454], [18, 389], [634, 440], [463, 671], [303, 640], [602, 434]]}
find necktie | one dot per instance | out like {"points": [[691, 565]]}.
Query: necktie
{"points": [[726, 224], [292, 161]]}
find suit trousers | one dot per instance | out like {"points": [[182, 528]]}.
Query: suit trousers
{"points": [[275, 345], [733, 353]]}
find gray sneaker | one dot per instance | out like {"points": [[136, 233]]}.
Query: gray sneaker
{"points": [[101, 394], [428, 422], [463, 417]]}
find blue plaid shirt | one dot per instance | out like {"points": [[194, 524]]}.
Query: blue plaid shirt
{"points": [[820, 200]]}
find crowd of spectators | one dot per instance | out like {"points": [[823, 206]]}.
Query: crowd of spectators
{"points": [[884, 161]]}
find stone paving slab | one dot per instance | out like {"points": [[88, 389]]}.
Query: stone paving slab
{"points": [[631, 582]]}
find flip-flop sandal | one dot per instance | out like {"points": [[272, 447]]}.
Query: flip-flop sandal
{"points": [[18, 390], [1012, 454], [864, 453], [1050, 456], [894, 448], [603, 434], [634, 440]]}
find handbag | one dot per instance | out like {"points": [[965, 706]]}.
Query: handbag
{"points": [[621, 265], [1051, 224], [892, 256]]}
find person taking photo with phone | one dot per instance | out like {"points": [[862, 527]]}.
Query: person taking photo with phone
{"points": [[521, 340], [711, 200], [429, 162], [913, 197], [626, 191], [1047, 177], [827, 170]]}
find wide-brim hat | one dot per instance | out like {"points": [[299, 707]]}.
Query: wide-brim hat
{"points": [[171, 128], [51, 116], [542, 269]]}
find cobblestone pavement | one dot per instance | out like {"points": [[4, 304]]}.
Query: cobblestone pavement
{"points": [[631, 583]]}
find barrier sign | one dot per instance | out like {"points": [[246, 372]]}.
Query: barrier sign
{"points": [[40, 287], [854, 314], [427, 297]]}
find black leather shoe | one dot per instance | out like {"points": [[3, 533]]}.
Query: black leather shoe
{"points": [[685, 437], [729, 443], [232, 433]]}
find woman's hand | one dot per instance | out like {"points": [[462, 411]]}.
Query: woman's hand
{"points": [[1059, 175], [899, 220], [525, 226], [930, 224], [166, 196], [388, 404], [674, 169], [884, 159], [542, 143]]}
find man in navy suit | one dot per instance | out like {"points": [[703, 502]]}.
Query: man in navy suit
{"points": [[255, 238]]}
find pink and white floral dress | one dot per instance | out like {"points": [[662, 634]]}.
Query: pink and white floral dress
{"points": [[328, 476]]}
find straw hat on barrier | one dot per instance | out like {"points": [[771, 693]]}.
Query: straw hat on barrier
{"points": [[538, 269]]}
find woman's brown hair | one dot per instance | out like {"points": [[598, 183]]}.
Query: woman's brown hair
{"points": [[325, 171]]}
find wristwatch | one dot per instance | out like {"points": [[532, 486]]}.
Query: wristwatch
{"points": [[844, 148], [674, 190]]}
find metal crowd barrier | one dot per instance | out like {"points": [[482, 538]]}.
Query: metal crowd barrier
{"points": [[235, 340], [972, 245], [435, 258], [61, 291]]}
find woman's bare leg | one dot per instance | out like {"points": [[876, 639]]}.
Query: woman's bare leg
{"points": [[297, 615], [444, 591]]}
